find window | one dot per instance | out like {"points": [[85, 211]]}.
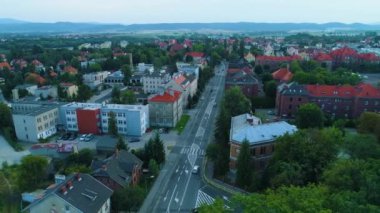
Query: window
{"points": [[291, 99], [366, 103], [104, 121], [67, 112], [253, 151], [290, 106], [25, 121], [262, 150], [46, 125], [299, 99]]}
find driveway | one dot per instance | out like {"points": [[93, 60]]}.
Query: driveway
{"points": [[8, 154]]}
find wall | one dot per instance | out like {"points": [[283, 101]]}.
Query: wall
{"points": [[88, 121]]}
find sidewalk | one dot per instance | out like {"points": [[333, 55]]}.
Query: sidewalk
{"points": [[8, 154]]}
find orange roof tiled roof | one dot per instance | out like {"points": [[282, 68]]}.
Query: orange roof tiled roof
{"points": [[71, 70], [283, 75], [166, 97]]}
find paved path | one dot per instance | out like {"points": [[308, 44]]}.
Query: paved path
{"points": [[8, 154]]}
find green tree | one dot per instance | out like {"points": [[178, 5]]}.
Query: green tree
{"points": [[362, 146], [154, 149], [115, 95], [126, 69], [153, 167], [77, 168], [83, 157], [295, 67], [244, 168], [217, 206], [84, 93], [128, 199], [5, 116], [235, 102], [309, 116], [368, 122], [31, 172], [129, 97], [112, 126], [270, 89], [121, 144], [95, 67]]}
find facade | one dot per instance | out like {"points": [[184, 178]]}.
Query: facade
{"points": [[79, 193], [36, 120], [188, 69], [31, 88], [95, 79], [119, 170], [261, 138], [335, 101], [93, 118], [115, 79], [47, 92], [165, 109], [154, 82], [243, 78], [142, 67], [70, 89]]}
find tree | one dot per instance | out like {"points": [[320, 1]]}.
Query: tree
{"points": [[5, 116], [155, 150], [235, 102], [129, 97], [127, 199], [217, 206], [309, 116], [126, 69], [83, 157], [368, 122], [84, 93], [121, 144], [244, 173], [77, 168], [153, 167], [295, 67], [115, 95], [112, 126], [360, 146], [31, 172], [270, 89]]}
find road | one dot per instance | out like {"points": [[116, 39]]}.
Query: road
{"points": [[177, 189], [104, 96]]}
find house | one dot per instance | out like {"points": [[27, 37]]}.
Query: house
{"points": [[249, 57], [35, 120], [261, 138], [337, 101], [38, 66], [70, 70], [19, 64], [153, 82], [118, 171], [79, 193], [187, 85], [70, 89], [188, 69], [283, 75], [165, 108], [142, 67], [115, 79], [95, 79], [5, 65], [274, 62], [31, 88], [47, 92], [244, 79], [196, 56], [35, 78]]}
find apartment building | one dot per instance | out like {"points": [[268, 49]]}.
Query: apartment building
{"points": [[165, 108], [95, 79], [155, 81]]}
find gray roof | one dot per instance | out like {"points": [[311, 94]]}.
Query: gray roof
{"points": [[87, 195], [241, 77], [258, 133], [293, 89]]}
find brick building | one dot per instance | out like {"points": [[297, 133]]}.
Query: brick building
{"points": [[243, 78]]}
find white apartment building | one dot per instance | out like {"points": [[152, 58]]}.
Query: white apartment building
{"points": [[95, 79], [154, 82]]}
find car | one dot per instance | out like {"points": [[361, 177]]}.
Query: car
{"points": [[270, 112], [195, 169], [89, 137], [66, 136], [166, 130], [132, 140], [82, 137], [73, 136]]}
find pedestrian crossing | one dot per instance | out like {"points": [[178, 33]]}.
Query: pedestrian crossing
{"points": [[203, 199], [192, 151]]}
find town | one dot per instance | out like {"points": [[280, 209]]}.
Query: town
{"points": [[190, 122]]}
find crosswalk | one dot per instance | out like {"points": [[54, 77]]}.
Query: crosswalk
{"points": [[203, 198], [192, 151]]}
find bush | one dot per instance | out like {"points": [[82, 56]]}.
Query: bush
{"points": [[263, 102]]}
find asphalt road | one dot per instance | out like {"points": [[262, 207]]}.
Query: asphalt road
{"points": [[177, 189]]}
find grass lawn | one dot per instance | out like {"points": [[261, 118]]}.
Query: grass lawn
{"points": [[182, 123]]}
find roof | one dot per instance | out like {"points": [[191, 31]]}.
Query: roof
{"points": [[283, 75], [195, 54], [277, 58], [71, 70], [65, 84], [35, 78], [5, 64], [169, 96], [87, 194], [322, 57], [258, 134], [345, 91]]}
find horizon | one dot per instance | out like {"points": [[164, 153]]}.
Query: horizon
{"points": [[129, 12]]}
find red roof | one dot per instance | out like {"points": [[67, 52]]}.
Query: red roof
{"points": [[278, 58], [369, 57], [322, 57], [180, 79], [283, 75], [36, 62], [195, 54], [166, 97], [346, 91], [344, 52], [4, 64], [71, 70], [66, 84], [34, 77]]}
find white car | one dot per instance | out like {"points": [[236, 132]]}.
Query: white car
{"points": [[83, 137], [195, 169]]}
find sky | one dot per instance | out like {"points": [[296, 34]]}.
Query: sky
{"points": [[182, 11]]}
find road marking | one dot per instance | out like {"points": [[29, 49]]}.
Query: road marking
{"points": [[179, 178], [176, 198], [166, 195], [171, 197], [203, 198], [186, 171]]}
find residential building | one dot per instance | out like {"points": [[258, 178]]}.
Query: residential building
{"points": [[47, 92], [188, 69], [337, 101], [120, 170], [187, 85], [31, 88], [5, 65], [274, 62], [35, 120], [244, 79], [142, 67], [155, 81], [95, 79], [165, 108], [79, 193], [2, 81], [93, 118], [283, 75], [115, 79], [38, 66], [261, 138], [69, 88], [250, 57]]}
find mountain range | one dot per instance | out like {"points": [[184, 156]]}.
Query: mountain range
{"points": [[18, 26]]}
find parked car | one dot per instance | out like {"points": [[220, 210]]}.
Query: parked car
{"points": [[89, 137], [82, 137], [195, 169], [66, 136], [133, 140], [73, 136]]}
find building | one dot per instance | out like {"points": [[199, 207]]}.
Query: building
{"points": [[165, 109], [35, 120], [93, 118], [244, 79], [153, 82], [120, 170], [47, 92], [337, 101], [274, 62], [115, 79], [282, 75], [31, 88], [79, 193], [142, 67], [95, 79], [188, 69], [187, 85], [70, 89], [261, 138]]}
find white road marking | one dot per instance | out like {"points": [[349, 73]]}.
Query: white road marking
{"points": [[203, 198], [166, 195], [171, 197]]}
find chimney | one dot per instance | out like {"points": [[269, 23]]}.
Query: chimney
{"points": [[104, 167], [69, 185], [250, 119], [78, 177], [63, 190]]}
